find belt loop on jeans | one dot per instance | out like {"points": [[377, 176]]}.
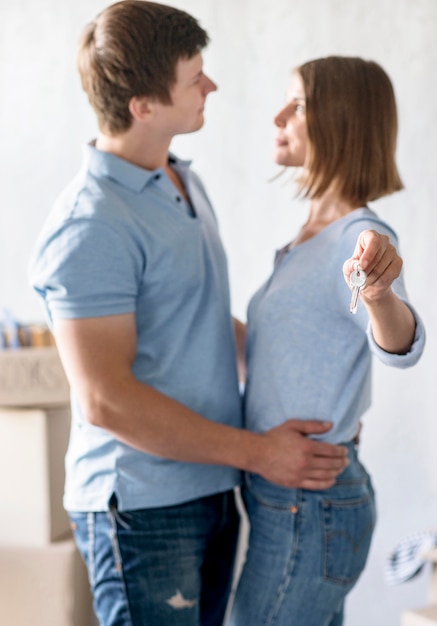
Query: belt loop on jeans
{"points": [[356, 439]]}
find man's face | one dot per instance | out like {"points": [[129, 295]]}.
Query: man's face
{"points": [[188, 96]]}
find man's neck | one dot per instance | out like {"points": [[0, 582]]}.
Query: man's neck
{"points": [[150, 152]]}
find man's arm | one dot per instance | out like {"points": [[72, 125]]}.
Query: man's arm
{"points": [[98, 354]]}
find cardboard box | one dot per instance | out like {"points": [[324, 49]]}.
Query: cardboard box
{"points": [[44, 587], [420, 617], [431, 556], [32, 377], [33, 443]]}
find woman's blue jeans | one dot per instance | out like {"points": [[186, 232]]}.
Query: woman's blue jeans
{"points": [[168, 566], [306, 550]]}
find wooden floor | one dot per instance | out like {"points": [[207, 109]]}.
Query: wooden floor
{"points": [[421, 617]]}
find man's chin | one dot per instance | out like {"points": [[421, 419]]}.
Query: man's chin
{"points": [[195, 127]]}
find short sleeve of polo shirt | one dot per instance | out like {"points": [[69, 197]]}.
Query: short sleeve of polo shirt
{"points": [[87, 268]]}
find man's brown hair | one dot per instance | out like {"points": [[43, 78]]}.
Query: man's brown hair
{"points": [[132, 49], [352, 129]]}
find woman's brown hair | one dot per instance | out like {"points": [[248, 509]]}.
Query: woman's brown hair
{"points": [[352, 129]]}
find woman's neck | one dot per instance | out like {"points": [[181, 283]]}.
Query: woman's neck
{"points": [[323, 211]]}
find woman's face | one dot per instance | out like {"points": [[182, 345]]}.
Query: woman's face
{"points": [[291, 128]]}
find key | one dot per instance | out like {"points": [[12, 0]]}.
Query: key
{"points": [[357, 282]]}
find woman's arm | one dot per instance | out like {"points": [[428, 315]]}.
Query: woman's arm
{"points": [[240, 343], [393, 323]]}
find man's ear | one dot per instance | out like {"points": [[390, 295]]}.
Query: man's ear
{"points": [[141, 108]]}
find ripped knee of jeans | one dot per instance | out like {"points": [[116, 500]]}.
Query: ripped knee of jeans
{"points": [[177, 601]]}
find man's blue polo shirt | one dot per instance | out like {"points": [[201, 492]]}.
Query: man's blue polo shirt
{"points": [[121, 239]]}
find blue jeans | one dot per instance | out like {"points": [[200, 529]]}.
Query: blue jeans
{"points": [[168, 566], [306, 550]]}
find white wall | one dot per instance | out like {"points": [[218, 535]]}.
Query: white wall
{"points": [[44, 119]]}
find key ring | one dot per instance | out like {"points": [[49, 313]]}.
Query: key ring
{"points": [[357, 267]]}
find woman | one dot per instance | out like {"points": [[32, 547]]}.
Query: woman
{"points": [[308, 356]]}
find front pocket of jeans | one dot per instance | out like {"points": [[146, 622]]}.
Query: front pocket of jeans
{"points": [[83, 527], [269, 495], [347, 527]]}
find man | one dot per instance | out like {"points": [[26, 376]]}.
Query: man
{"points": [[134, 279]]}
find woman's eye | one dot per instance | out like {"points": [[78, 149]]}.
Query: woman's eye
{"points": [[300, 108]]}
